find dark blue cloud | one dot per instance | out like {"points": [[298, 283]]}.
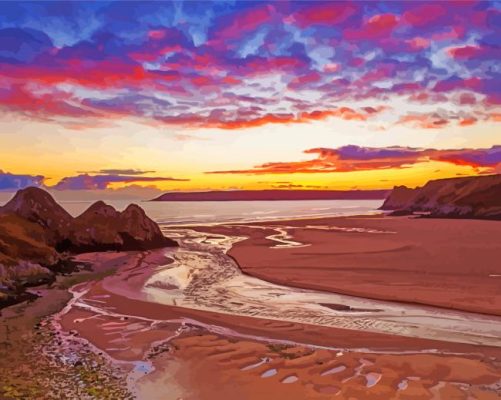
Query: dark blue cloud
{"points": [[12, 182], [101, 182], [128, 171], [22, 45]]}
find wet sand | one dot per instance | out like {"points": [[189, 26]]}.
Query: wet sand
{"points": [[440, 262], [193, 354], [158, 320], [214, 367], [187, 324]]}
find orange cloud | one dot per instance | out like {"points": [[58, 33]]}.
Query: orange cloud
{"points": [[215, 120], [356, 158]]}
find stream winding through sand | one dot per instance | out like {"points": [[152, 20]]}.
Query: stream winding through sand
{"points": [[203, 277]]}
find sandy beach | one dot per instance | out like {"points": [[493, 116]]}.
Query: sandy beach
{"points": [[191, 323], [205, 355], [440, 262]]}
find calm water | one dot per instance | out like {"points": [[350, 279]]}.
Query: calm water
{"points": [[207, 212]]}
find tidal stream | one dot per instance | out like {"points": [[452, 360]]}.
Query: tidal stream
{"points": [[204, 277]]}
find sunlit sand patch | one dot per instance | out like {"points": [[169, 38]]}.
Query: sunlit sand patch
{"points": [[143, 366], [345, 308], [328, 389], [80, 320], [118, 349], [372, 379], [95, 301], [258, 364], [403, 384], [343, 229], [358, 370], [118, 340], [113, 326], [269, 373], [334, 370], [290, 379]]}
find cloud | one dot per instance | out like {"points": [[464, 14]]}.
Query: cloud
{"points": [[12, 182], [101, 182], [129, 171], [356, 158], [250, 118], [22, 45], [323, 14], [180, 64]]}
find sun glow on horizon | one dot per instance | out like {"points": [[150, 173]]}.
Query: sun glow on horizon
{"points": [[255, 95]]}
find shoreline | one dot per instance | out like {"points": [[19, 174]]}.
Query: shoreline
{"points": [[258, 239], [269, 330], [307, 217], [177, 347], [148, 347]]}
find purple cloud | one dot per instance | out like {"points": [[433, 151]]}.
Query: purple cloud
{"points": [[101, 182], [12, 182], [184, 70], [357, 158], [128, 171]]}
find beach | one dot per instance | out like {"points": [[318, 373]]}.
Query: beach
{"points": [[450, 263], [272, 310]]}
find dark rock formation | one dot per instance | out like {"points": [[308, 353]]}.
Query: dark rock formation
{"points": [[99, 228], [469, 197], [37, 206], [37, 235]]}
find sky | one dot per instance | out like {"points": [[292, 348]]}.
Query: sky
{"points": [[132, 98]]}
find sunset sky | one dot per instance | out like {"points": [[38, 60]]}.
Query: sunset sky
{"points": [[252, 95]]}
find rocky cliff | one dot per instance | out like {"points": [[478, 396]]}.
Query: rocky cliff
{"points": [[39, 207], [37, 235], [469, 197], [100, 227]]}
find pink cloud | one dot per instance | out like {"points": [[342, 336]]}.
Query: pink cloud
{"points": [[377, 26], [327, 13]]}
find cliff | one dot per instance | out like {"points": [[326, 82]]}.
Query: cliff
{"points": [[101, 227], [37, 235], [468, 197], [273, 195]]}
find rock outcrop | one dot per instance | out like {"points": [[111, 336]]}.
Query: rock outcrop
{"points": [[469, 197], [37, 206], [37, 235], [99, 228]]}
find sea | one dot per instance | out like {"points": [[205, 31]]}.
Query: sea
{"points": [[213, 212]]}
